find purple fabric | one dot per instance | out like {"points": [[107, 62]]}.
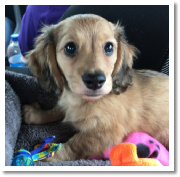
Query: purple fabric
{"points": [[32, 21]]}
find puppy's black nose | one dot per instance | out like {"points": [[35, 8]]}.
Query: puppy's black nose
{"points": [[94, 81]]}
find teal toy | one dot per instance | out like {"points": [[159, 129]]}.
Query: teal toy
{"points": [[26, 158]]}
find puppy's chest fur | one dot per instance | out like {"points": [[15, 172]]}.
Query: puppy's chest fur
{"points": [[107, 116], [86, 115]]}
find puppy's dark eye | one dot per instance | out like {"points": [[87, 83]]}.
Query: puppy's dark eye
{"points": [[108, 49], [70, 49]]}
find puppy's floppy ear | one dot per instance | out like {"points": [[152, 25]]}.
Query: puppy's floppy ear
{"points": [[122, 73], [42, 62]]}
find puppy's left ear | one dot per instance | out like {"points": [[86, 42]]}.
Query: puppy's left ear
{"points": [[123, 73]]}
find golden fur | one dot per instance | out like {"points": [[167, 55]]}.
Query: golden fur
{"points": [[130, 100]]}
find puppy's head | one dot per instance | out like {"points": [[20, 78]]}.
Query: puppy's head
{"points": [[84, 53]]}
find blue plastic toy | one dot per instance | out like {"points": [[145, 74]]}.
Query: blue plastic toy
{"points": [[26, 158]]}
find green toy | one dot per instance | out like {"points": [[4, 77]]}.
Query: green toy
{"points": [[26, 158]]}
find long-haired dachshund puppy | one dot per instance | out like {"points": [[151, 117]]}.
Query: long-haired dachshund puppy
{"points": [[88, 60]]}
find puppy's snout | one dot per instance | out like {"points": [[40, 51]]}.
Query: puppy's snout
{"points": [[94, 81]]}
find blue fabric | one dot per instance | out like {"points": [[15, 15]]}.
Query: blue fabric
{"points": [[33, 19]]}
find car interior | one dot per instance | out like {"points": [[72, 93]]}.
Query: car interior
{"points": [[13, 17], [149, 57], [146, 27]]}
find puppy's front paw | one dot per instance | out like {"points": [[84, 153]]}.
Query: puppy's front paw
{"points": [[29, 113]]}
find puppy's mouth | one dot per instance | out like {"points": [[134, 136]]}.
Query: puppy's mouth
{"points": [[91, 97]]}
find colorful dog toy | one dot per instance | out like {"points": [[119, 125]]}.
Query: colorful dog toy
{"points": [[144, 151], [137, 149], [125, 154], [26, 158]]}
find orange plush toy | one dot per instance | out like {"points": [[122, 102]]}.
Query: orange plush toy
{"points": [[125, 154]]}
